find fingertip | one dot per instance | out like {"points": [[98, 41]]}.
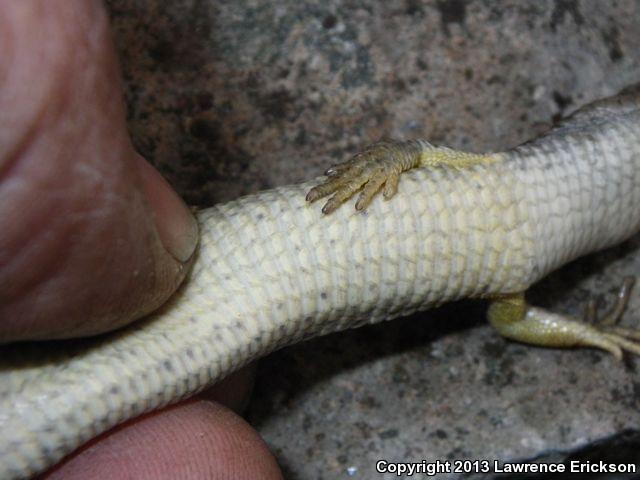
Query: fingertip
{"points": [[92, 237], [176, 225], [193, 440]]}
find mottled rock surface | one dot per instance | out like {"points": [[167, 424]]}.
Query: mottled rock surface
{"points": [[227, 98]]}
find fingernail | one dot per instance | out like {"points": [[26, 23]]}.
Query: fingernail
{"points": [[176, 226]]}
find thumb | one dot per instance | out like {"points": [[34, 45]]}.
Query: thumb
{"points": [[93, 237]]}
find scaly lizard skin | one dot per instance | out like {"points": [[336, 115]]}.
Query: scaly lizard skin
{"points": [[272, 269]]}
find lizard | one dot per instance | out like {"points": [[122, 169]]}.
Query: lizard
{"points": [[272, 269]]}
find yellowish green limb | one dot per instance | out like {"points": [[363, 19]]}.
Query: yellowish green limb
{"points": [[513, 318]]}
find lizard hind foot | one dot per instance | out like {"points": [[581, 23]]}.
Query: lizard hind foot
{"points": [[376, 168], [513, 318], [614, 315], [627, 337]]}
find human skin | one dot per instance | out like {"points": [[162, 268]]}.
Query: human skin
{"points": [[93, 238]]}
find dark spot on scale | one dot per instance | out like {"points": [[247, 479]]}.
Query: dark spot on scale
{"points": [[115, 390], [167, 365], [280, 306], [308, 319], [323, 295], [190, 353], [192, 319], [260, 216]]}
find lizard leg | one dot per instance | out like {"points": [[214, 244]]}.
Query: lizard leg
{"points": [[513, 318], [378, 167]]}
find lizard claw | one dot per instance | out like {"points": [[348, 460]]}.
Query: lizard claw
{"points": [[608, 323], [612, 317], [626, 338]]}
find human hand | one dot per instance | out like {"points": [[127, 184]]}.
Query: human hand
{"points": [[93, 237]]}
